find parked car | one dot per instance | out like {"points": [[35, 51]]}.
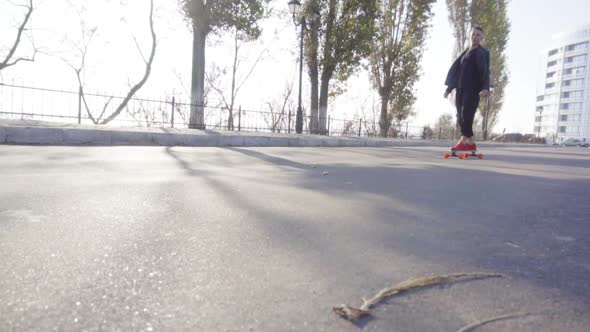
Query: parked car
{"points": [[512, 137], [533, 138], [575, 142]]}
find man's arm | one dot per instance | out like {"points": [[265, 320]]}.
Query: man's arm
{"points": [[483, 68], [452, 76], [448, 91]]}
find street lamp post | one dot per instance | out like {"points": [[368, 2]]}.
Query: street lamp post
{"points": [[294, 8], [486, 114], [540, 110]]}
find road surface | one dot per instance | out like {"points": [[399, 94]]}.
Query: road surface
{"points": [[269, 239]]}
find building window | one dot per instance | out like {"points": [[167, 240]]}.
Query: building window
{"points": [[577, 47], [540, 98], [572, 94], [553, 52], [577, 58], [551, 74], [562, 129], [573, 130], [552, 63], [551, 97], [563, 117], [549, 85], [578, 83], [570, 106], [575, 71], [537, 119]]}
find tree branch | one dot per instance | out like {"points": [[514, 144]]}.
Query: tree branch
{"points": [[6, 62], [251, 70], [148, 68]]}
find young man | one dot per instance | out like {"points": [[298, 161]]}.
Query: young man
{"points": [[470, 75]]}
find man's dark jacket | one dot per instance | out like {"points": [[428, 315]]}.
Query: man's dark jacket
{"points": [[473, 74]]}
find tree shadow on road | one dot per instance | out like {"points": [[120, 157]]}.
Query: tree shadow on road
{"points": [[529, 227]]}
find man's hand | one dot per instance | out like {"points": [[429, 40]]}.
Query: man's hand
{"points": [[448, 92], [485, 93]]}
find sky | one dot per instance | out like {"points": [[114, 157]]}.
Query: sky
{"points": [[113, 60]]}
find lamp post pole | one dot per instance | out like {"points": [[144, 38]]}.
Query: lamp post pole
{"points": [[299, 118], [295, 9], [540, 109]]}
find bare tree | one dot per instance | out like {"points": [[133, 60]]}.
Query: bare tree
{"points": [[10, 59], [349, 128], [444, 126], [216, 16], [369, 117], [236, 83], [212, 76], [277, 118], [149, 116], [87, 35]]}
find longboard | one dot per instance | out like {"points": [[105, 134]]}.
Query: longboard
{"points": [[463, 154]]}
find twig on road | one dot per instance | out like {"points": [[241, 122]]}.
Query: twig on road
{"points": [[475, 325], [353, 314]]}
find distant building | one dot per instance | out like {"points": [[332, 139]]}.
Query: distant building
{"points": [[563, 89]]}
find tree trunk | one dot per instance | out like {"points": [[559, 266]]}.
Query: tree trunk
{"points": [[383, 119], [197, 118], [323, 106], [230, 111], [314, 78], [312, 64], [328, 67]]}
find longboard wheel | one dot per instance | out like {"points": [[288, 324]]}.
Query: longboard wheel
{"points": [[461, 156], [465, 155], [480, 155], [446, 155]]}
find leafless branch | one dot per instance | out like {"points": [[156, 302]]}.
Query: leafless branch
{"points": [[275, 121], [212, 80], [104, 109], [9, 61], [258, 59], [148, 68], [139, 49], [80, 68], [353, 314], [475, 325]]}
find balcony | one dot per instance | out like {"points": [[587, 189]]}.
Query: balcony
{"points": [[572, 76], [578, 63], [576, 52], [571, 88]]}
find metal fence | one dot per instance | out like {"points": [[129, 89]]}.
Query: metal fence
{"points": [[46, 104]]}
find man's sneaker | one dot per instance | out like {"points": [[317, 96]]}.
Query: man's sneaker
{"points": [[470, 147], [458, 147]]}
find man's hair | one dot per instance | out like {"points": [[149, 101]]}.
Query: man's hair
{"points": [[477, 27]]}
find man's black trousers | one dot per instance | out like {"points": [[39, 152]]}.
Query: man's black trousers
{"points": [[466, 102]]}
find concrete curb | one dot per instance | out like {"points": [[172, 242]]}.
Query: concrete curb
{"points": [[48, 133]]}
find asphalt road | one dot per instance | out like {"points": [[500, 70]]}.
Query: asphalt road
{"points": [[269, 239]]}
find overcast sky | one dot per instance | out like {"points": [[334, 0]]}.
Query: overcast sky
{"points": [[114, 61]]}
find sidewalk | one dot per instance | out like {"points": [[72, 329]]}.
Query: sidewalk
{"points": [[34, 132]]}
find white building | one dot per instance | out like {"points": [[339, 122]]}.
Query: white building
{"points": [[563, 88]]}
